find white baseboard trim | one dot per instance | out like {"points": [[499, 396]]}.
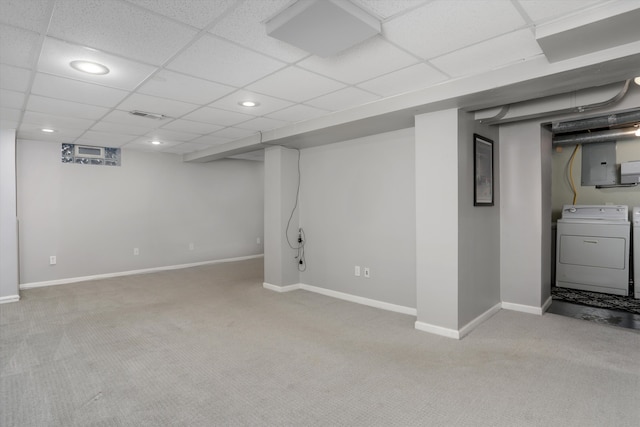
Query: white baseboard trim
{"points": [[9, 298], [277, 288], [360, 300], [437, 330], [343, 296], [547, 304], [462, 332], [480, 319], [531, 309], [132, 272]]}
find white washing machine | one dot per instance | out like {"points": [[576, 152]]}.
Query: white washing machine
{"points": [[592, 248], [635, 218]]}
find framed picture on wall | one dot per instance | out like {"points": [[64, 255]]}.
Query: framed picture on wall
{"points": [[482, 171]]}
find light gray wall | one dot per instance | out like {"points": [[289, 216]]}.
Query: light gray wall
{"points": [[358, 208], [478, 228], [523, 223], [8, 225], [91, 217], [281, 185], [436, 195]]}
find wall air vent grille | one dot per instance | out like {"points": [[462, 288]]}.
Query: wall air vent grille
{"points": [[90, 155], [154, 116]]}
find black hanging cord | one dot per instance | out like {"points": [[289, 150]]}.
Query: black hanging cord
{"points": [[301, 240]]}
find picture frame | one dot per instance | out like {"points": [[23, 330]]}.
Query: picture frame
{"points": [[482, 171]]}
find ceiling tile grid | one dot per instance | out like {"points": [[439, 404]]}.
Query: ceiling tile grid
{"points": [[119, 27], [221, 61], [195, 60]]}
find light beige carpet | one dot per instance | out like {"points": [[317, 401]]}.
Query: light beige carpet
{"points": [[208, 346]]}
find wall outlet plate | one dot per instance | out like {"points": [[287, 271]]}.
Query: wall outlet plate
{"points": [[367, 272], [357, 271], [52, 260]]}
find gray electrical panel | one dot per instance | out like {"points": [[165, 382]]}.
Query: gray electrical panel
{"points": [[599, 163]]}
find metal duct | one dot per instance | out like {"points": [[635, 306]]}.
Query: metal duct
{"points": [[619, 119], [599, 136]]}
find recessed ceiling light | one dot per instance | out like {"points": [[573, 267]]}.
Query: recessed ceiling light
{"points": [[89, 67], [637, 80], [47, 130], [249, 103], [156, 142]]}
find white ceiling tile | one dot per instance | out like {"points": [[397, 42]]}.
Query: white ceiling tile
{"points": [[42, 104], [120, 28], [77, 91], [185, 147], [245, 26], [540, 10], [145, 144], [126, 119], [31, 132], [17, 46], [14, 78], [170, 135], [216, 116], [295, 84], [218, 60], [296, 113], [29, 14], [233, 133], [211, 140], [54, 122], [411, 78], [8, 124], [145, 141], [343, 99], [196, 13], [490, 54], [362, 62], [446, 25], [36, 130], [120, 128], [387, 8], [123, 73], [105, 139], [266, 104], [191, 127], [153, 104], [11, 99], [10, 114], [168, 84], [263, 124]]}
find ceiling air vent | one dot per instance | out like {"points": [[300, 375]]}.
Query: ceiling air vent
{"points": [[154, 116]]}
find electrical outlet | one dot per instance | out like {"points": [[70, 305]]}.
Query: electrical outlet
{"points": [[367, 272], [191, 246], [52, 260], [136, 251], [357, 271]]}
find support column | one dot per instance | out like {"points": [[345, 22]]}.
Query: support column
{"points": [[281, 184], [8, 218], [436, 156]]}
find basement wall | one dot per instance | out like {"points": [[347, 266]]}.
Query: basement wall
{"points": [[92, 217]]}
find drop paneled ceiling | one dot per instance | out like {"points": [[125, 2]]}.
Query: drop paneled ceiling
{"points": [[195, 60]]}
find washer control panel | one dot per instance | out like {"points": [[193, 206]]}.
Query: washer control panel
{"points": [[597, 212]]}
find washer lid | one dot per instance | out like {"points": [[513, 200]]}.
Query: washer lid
{"points": [[596, 212]]}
